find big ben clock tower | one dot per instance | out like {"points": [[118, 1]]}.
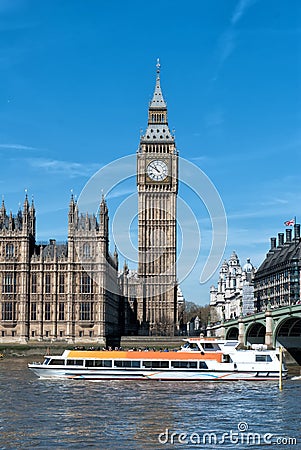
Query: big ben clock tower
{"points": [[157, 181]]}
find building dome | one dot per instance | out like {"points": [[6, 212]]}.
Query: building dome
{"points": [[248, 267]]}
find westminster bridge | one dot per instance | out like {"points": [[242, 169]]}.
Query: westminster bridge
{"points": [[271, 327]]}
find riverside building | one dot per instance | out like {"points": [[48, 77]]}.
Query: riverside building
{"points": [[277, 280], [74, 291], [57, 291], [234, 294]]}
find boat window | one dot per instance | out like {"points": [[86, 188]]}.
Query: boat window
{"points": [[193, 346], [184, 364], [75, 362], [122, 363], [46, 361], [203, 365], [127, 363], [107, 363], [211, 347], [263, 358], [57, 362], [90, 363], [226, 359], [136, 364], [98, 363], [208, 345], [156, 364], [103, 363]]}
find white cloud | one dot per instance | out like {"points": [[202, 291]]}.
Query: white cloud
{"points": [[67, 168], [121, 193], [228, 40], [200, 159], [17, 147], [273, 202], [227, 46], [240, 10], [258, 213]]}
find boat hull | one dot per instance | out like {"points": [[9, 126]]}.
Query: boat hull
{"points": [[160, 375]]}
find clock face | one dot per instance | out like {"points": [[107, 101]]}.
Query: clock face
{"points": [[157, 170]]}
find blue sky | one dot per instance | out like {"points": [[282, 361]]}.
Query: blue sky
{"points": [[76, 78]]}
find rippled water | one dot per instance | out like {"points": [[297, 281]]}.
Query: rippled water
{"points": [[121, 415]]}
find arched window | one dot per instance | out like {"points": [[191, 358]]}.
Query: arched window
{"points": [[86, 251], [34, 283], [10, 250], [85, 284], [8, 311], [47, 284], [61, 283], [9, 283], [86, 311]]}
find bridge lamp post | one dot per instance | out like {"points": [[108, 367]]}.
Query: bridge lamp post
{"points": [[241, 326], [268, 326]]}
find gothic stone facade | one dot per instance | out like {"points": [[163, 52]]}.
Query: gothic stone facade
{"points": [[58, 291], [157, 182], [73, 291]]}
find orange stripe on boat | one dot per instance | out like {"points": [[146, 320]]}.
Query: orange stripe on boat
{"points": [[169, 356]]}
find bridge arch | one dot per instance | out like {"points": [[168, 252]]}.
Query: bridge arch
{"points": [[288, 327], [288, 334], [232, 333], [255, 333]]}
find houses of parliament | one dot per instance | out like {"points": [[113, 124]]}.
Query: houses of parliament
{"points": [[76, 291]]}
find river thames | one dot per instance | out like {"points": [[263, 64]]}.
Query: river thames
{"points": [[70, 414]]}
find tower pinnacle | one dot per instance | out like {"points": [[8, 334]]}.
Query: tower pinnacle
{"points": [[157, 129], [26, 203], [3, 210], [158, 100], [158, 65]]}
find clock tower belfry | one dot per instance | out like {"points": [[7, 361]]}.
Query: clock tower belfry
{"points": [[157, 182]]}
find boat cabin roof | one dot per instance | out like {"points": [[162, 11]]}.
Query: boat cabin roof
{"points": [[128, 354]]}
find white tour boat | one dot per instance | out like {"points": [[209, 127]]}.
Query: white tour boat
{"points": [[199, 359]]}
